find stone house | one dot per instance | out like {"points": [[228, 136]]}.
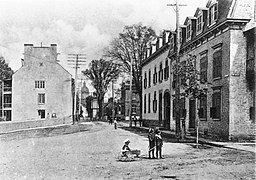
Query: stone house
{"points": [[217, 35], [41, 88]]}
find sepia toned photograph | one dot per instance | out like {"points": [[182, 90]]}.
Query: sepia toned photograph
{"points": [[127, 89]]}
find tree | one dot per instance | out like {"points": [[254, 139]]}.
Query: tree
{"points": [[5, 71], [193, 84], [132, 45], [101, 72]]}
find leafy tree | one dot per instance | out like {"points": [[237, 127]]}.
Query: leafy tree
{"points": [[191, 82], [5, 71], [101, 72], [132, 45]]}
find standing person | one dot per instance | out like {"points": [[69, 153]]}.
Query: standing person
{"points": [[115, 123], [152, 143], [159, 143]]}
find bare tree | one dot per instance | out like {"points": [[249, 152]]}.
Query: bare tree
{"points": [[132, 45], [101, 72]]}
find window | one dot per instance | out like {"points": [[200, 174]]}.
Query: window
{"points": [[203, 107], [145, 104], [215, 110], [39, 84], [161, 73], [213, 13], [149, 103], [155, 76], [41, 98], [154, 103], [217, 64], [199, 23], [134, 96], [149, 78], [145, 80], [174, 108], [252, 113], [189, 30], [133, 109], [41, 113], [203, 68], [166, 70]]}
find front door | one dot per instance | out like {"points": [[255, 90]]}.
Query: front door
{"points": [[192, 114], [167, 110]]}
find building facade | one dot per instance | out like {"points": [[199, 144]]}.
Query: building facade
{"points": [[124, 102], [41, 88], [216, 36]]}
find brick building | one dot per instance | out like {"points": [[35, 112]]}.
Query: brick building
{"points": [[41, 88], [225, 53]]}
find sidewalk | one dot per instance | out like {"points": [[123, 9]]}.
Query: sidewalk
{"points": [[232, 145], [46, 131]]}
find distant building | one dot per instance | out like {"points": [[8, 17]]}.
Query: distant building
{"points": [[41, 88], [225, 52], [6, 100], [124, 102]]}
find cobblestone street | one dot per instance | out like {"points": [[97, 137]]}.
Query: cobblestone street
{"points": [[92, 155]]}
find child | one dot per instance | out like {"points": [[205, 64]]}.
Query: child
{"points": [[159, 144], [126, 147], [152, 143]]}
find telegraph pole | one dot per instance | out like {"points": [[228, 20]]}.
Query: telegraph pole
{"points": [[177, 85], [76, 60], [130, 114]]}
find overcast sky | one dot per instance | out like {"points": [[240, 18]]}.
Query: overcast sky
{"points": [[79, 26]]}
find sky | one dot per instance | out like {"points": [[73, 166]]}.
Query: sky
{"points": [[79, 26]]}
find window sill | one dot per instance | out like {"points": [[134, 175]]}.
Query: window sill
{"points": [[216, 119], [217, 78], [210, 25], [202, 119]]}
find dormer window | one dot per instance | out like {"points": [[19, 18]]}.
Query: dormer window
{"points": [[199, 23], [189, 30], [213, 13]]}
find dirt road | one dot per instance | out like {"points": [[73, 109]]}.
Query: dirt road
{"points": [[92, 155]]}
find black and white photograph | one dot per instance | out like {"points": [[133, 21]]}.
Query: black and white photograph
{"points": [[127, 89]]}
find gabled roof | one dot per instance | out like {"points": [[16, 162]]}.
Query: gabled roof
{"points": [[189, 18], [200, 9]]}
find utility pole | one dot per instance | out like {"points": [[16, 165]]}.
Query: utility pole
{"points": [[130, 114], [177, 85], [76, 60]]}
